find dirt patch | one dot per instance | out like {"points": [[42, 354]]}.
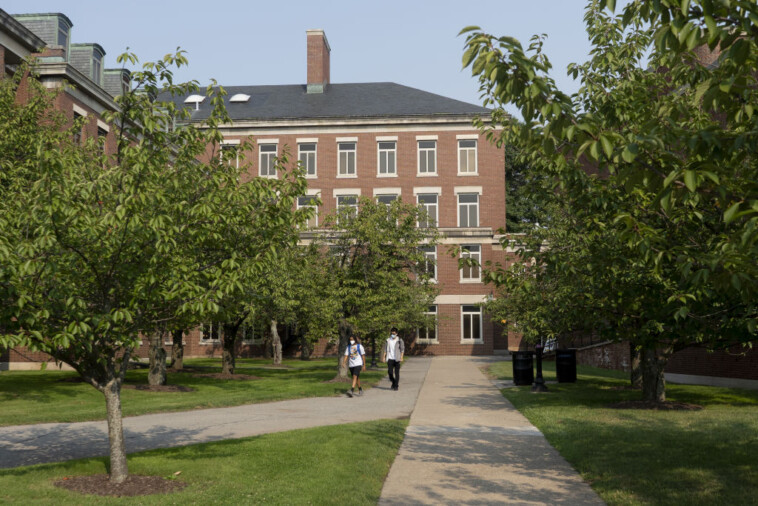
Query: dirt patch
{"points": [[222, 376], [159, 388], [134, 485], [660, 406]]}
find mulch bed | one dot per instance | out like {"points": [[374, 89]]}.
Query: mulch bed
{"points": [[660, 406], [99, 484], [222, 376], [159, 388]]}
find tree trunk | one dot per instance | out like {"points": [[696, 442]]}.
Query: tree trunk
{"points": [[157, 373], [177, 350], [276, 343], [119, 470], [635, 366], [653, 380], [229, 355], [345, 330], [305, 348]]}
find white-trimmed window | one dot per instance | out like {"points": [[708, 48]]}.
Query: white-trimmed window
{"points": [[77, 133], [387, 200], [471, 324], [471, 272], [252, 330], [429, 202], [211, 333], [266, 157], [428, 334], [427, 157], [306, 154], [309, 201], [387, 158], [467, 156], [430, 261], [168, 338], [102, 137], [346, 159], [347, 205], [468, 210], [230, 153]]}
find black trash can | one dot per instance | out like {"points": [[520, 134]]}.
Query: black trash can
{"points": [[565, 366], [523, 369]]}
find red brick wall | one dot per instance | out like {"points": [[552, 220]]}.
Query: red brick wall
{"points": [[733, 363]]}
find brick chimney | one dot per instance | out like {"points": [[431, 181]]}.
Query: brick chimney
{"points": [[318, 61]]}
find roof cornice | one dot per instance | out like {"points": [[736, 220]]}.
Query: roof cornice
{"points": [[47, 70], [20, 34]]}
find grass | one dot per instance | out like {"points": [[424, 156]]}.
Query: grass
{"points": [[40, 396], [342, 464], [648, 457]]}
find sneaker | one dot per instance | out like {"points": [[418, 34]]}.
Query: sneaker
{"points": [[360, 391], [349, 393]]}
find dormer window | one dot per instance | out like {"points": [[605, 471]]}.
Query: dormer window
{"points": [[97, 65], [196, 99], [240, 97], [63, 37]]}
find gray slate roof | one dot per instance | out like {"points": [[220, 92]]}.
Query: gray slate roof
{"points": [[357, 100]]}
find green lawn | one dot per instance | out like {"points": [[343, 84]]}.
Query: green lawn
{"points": [[342, 464], [40, 396], [707, 457]]}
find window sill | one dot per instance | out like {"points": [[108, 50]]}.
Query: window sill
{"points": [[464, 174], [386, 175], [268, 177], [426, 174], [472, 341], [311, 176], [427, 341], [470, 281], [347, 176], [252, 343], [210, 343]]}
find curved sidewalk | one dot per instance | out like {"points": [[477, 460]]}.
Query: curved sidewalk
{"points": [[466, 444], [24, 445]]}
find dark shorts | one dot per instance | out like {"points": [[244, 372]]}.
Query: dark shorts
{"points": [[356, 371]]}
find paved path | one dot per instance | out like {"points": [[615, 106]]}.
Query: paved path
{"points": [[466, 444], [24, 445]]}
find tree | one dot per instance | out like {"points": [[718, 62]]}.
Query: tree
{"points": [[257, 237], [522, 212], [89, 239], [654, 162], [379, 269]]}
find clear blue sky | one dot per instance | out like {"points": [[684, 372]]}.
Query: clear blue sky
{"points": [[409, 42]]}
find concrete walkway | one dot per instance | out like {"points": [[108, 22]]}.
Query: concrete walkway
{"points": [[466, 444], [24, 445]]}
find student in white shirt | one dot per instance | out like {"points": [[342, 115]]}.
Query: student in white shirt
{"points": [[357, 358], [394, 349]]}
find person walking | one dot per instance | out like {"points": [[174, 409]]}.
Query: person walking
{"points": [[394, 349], [355, 358]]}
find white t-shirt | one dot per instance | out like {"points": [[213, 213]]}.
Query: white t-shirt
{"points": [[356, 352], [391, 342]]}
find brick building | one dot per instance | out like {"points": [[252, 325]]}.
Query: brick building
{"points": [[87, 90], [384, 141]]}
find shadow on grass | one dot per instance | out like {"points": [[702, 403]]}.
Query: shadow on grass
{"points": [[686, 459]]}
